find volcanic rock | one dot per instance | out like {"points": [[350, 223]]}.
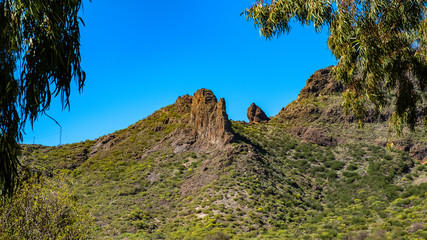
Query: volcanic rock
{"points": [[209, 118], [321, 83], [256, 114], [314, 135], [419, 152], [183, 103]]}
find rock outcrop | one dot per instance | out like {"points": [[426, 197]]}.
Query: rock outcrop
{"points": [[209, 118], [314, 135], [208, 122], [419, 152], [104, 143], [321, 83], [183, 103], [256, 114]]}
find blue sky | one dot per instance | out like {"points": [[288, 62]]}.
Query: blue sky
{"points": [[141, 55]]}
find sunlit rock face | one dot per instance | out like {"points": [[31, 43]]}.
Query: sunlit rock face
{"points": [[322, 82], [209, 118], [255, 114]]}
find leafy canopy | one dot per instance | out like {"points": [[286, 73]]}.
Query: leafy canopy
{"points": [[381, 47], [39, 58]]}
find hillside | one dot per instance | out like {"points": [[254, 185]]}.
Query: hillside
{"points": [[188, 172]]}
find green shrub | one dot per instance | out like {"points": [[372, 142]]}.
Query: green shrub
{"points": [[43, 210], [331, 174], [348, 174], [421, 168], [336, 165], [351, 167]]}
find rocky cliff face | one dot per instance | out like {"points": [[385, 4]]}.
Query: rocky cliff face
{"points": [[208, 121], [209, 118], [321, 83], [183, 103], [209, 130]]}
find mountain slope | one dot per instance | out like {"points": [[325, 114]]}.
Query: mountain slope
{"points": [[188, 172]]}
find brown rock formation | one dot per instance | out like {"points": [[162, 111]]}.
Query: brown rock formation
{"points": [[256, 114], [183, 103], [208, 130], [314, 135], [321, 83], [419, 152], [104, 144], [209, 118]]}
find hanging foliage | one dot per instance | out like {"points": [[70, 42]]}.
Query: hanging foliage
{"points": [[39, 59], [381, 47]]}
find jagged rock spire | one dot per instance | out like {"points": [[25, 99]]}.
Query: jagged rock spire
{"points": [[209, 118]]}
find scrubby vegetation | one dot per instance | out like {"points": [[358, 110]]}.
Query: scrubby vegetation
{"points": [[43, 209]]}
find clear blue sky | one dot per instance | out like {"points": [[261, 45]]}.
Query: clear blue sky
{"points": [[141, 55]]}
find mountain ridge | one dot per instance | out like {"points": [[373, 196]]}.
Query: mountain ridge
{"points": [[188, 172]]}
